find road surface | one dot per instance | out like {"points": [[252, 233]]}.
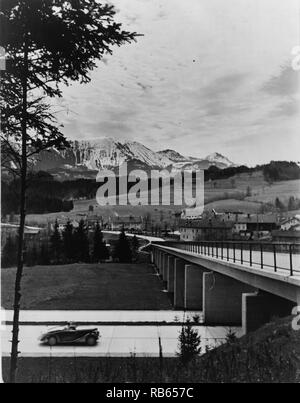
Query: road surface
{"points": [[116, 341]]}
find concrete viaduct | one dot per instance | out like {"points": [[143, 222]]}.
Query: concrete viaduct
{"points": [[228, 290]]}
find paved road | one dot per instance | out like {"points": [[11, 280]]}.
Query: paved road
{"points": [[145, 237], [116, 341]]}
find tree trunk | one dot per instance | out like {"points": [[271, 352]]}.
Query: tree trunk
{"points": [[20, 262]]}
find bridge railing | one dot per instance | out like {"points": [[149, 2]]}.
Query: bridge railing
{"points": [[263, 255]]}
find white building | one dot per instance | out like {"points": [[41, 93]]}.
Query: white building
{"points": [[290, 222]]}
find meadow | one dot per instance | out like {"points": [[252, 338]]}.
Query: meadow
{"points": [[109, 286], [245, 192]]}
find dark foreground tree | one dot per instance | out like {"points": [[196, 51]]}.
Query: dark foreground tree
{"points": [[135, 247], [100, 250], [47, 43], [44, 255], [189, 343], [9, 255], [123, 250], [81, 243], [56, 244], [68, 242], [32, 256]]}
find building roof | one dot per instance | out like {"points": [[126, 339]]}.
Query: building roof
{"points": [[295, 227], [286, 234], [126, 220], [261, 219], [287, 220], [206, 224]]}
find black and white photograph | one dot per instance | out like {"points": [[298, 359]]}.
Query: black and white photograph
{"points": [[150, 194]]}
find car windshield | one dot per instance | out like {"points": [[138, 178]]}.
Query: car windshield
{"points": [[70, 326]]}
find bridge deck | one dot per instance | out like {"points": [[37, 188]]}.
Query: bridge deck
{"points": [[282, 260], [230, 267]]}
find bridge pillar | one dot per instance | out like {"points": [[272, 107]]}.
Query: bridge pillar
{"points": [[157, 263], [152, 257], [160, 262], [193, 295], [222, 299], [179, 279], [165, 268], [259, 308], [171, 273]]}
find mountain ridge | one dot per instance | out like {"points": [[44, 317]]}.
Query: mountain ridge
{"points": [[89, 156]]}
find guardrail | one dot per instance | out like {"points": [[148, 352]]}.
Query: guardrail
{"points": [[249, 253]]}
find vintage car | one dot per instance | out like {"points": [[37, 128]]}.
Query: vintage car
{"points": [[70, 335]]}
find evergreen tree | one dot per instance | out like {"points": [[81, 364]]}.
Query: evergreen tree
{"points": [[135, 247], [9, 255], [68, 242], [189, 343], [32, 256], [56, 243], [123, 251], [292, 204], [100, 251], [44, 256], [81, 243], [231, 337], [48, 44], [279, 205]]}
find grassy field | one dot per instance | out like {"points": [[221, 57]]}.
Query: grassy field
{"points": [[283, 190], [223, 195], [234, 205], [87, 286], [271, 354]]}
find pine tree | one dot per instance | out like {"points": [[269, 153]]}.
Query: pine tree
{"points": [[279, 205], [81, 243], [100, 251], [68, 242], [56, 243], [135, 247], [292, 204], [189, 343], [32, 256], [48, 44], [123, 251], [44, 257], [9, 255]]}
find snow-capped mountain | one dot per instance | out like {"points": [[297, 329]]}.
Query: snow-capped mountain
{"points": [[173, 155], [86, 157], [108, 153], [100, 154], [219, 159], [192, 163]]}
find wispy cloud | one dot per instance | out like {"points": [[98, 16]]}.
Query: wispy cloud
{"points": [[286, 83], [205, 76]]}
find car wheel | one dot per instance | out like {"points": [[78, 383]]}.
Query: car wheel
{"points": [[52, 341], [91, 340]]}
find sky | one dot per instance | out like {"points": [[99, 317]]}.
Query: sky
{"points": [[207, 76]]}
